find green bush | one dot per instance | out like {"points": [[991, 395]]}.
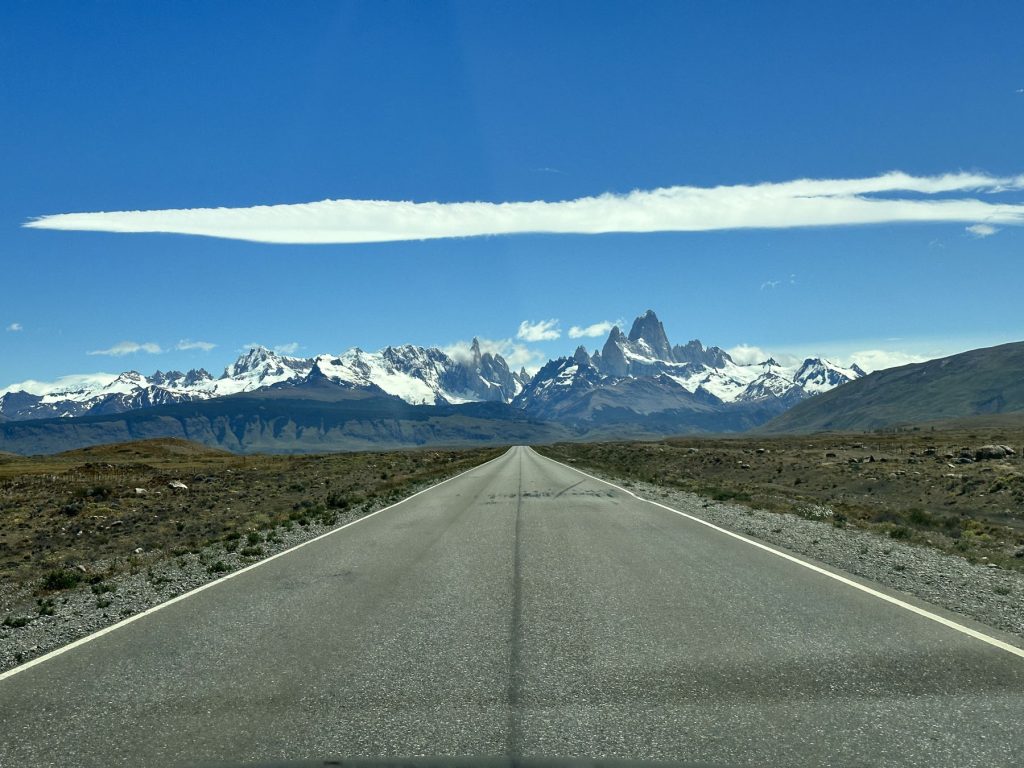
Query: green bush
{"points": [[55, 580], [46, 607]]}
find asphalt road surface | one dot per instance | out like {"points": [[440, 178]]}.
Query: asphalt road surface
{"points": [[524, 609]]}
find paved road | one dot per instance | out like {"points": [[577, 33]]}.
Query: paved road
{"points": [[524, 609]]}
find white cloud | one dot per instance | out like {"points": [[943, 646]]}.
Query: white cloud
{"points": [[71, 383], [187, 344], [798, 203], [542, 330], [879, 359], [745, 354], [287, 349], [982, 230], [591, 331], [516, 355], [14, 327], [129, 348], [768, 285]]}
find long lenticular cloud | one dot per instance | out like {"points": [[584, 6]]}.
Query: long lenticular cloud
{"points": [[799, 203]]}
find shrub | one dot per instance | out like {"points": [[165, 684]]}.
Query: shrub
{"points": [[252, 552], [71, 509], [17, 621], [337, 501], [46, 607], [55, 580], [219, 567], [100, 588]]}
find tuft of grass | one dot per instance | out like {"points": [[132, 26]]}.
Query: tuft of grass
{"points": [[252, 552], [17, 622]]}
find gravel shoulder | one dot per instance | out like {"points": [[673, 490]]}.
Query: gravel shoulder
{"points": [[984, 593]]}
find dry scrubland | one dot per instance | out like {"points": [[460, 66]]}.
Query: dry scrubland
{"points": [[922, 486], [84, 517]]}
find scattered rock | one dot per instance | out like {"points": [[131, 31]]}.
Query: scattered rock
{"points": [[993, 452], [141, 492], [177, 485], [138, 550]]}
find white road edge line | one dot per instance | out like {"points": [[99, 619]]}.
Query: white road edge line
{"points": [[849, 582], [135, 617]]}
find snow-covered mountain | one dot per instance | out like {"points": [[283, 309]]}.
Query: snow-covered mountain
{"points": [[639, 374], [708, 374], [418, 375]]}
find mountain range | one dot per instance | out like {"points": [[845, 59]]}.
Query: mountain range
{"points": [[636, 384], [969, 385]]}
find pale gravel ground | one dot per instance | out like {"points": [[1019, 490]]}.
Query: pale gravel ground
{"points": [[990, 595]]}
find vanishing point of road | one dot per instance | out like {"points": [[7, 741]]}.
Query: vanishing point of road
{"points": [[523, 608]]}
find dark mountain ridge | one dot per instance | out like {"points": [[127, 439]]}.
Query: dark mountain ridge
{"points": [[978, 382]]}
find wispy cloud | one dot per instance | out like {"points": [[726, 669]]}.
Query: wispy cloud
{"points": [[188, 344], [982, 230], [769, 285], [591, 331], [288, 349], [878, 359], [71, 383], [516, 355], [746, 354], [15, 327], [129, 348], [542, 330], [798, 203]]}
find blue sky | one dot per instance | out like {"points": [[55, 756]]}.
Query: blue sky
{"points": [[126, 106]]}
